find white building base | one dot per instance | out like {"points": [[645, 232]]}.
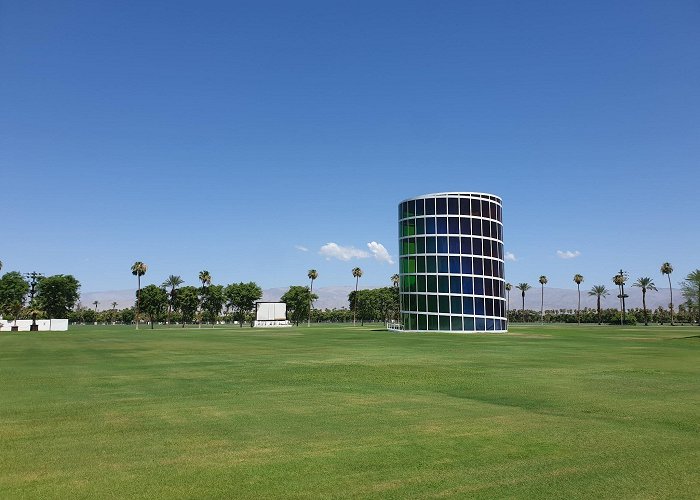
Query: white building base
{"points": [[271, 323], [45, 325]]}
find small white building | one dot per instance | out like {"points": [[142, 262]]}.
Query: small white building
{"points": [[271, 315], [44, 325]]}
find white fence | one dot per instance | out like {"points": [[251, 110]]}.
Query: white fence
{"points": [[45, 325]]}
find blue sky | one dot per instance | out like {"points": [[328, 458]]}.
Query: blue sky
{"points": [[242, 137]]}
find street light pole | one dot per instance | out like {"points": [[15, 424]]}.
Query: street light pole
{"points": [[34, 277]]}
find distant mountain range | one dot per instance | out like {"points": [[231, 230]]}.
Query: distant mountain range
{"points": [[337, 297]]}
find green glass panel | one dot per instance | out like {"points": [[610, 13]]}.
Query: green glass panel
{"points": [[432, 283], [444, 303], [443, 284], [411, 282], [432, 303], [411, 265], [456, 323], [445, 323], [422, 303], [420, 281], [422, 322], [432, 322]]}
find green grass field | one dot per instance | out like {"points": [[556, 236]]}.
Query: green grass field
{"points": [[544, 411]]}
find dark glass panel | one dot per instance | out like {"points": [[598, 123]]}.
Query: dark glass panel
{"points": [[420, 283], [490, 325], [478, 266], [430, 206], [411, 281], [486, 230], [468, 305], [420, 245], [404, 302], [464, 206], [404, 209], [413, 306], [412, 265], [432, 283], [442, 225], [487, 267], [444, 303], [475, 208], [420, 225], [467, 285], [484, 208], [411, 210], [422, 303], [430, 225], [400, 211], [442, 244], [466, 265], [466, 225], [456, 323], [422, 322], [476, 227], [453, 225], [488, 287], [478, 286], [480, 325], [430, 264], [443, 284], [441, 206], [476, 246], [479, 306], [466, 246], [455, 284], [468, 324], [430, 244], [494, 229], [493, 211], [432, 322], [432, 303], [445, 323], [454, 265], [487, 248], [453, 206], [420, 265], [402, 265], [442, 264], [489, 307], [454, 245], [411, 247], [420, 210], [456, 304]]}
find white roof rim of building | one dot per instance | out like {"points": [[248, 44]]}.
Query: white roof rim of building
{"points": [[452, 193]]}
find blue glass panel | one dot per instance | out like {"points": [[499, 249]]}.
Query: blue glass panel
{"points": [[430, 244], [467, 285], [442, 225], [484, 208], [486, 231], [468, 305], [442, 244], [422, 303], [430, 264], [479, 306], [430, 206], [454, 245], [466, 265], [466, 246], [466, 225], [468, 324], [478, 286], [480, 325], [455, 284], [453, 206], [488, 267], [476, 227], [478, 266], [420, 207], [430, 225], [490, 325], [476, 246], [487, 248], [454, 265], [453, 225], [420, 264], [489, 307], [442, 264], [440, 206]]}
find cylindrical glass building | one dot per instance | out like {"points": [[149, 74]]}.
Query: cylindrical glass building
{"points": [[451, 263]]}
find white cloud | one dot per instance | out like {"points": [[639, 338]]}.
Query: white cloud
{"points": [[568, 254], [301, 248], [334, 251], [380, 253], [510, 256]]}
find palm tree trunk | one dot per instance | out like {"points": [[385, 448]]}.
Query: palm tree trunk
{"points": [[542, 306], [579, 303], [644, 306], [600, 320], [671, 292], [311, 291], [523, 307], [138, 300], [354, 311]]}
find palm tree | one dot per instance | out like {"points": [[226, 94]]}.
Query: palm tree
{"points": [[205, 278], [509, 287], [114, 312], [543, 282], [619, 279], [599, 291], [357, 274], [578, 279], [138, 270], [95, 304], [395, 280], [667, 269], [523, 287], [173, 282], [312, 274], [645, 284]]}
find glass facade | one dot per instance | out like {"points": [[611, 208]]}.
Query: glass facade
{"points": [[451, 263]]}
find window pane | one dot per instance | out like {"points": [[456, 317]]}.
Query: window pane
{"points": [[455, 284], [456, 323], [466, 246], [454, 245], [487, 248], [476, 208], [466, 225], [478, 286], [420, 264], [422, 322], [420, 283], [432, 303], [445, 323], [430, 244], [453, 206], [453, 225], [468, 305], [419, 207], [442, 225], [442, 264], [444, 303], [478, 266], [420, 245], [466, 265], [454, 265], [432, 283], [468, 324], [430, 265], [467, 285], [456, 304], [430, 206], [480, 325], [484, 208], [489, 307], [476, 227], [430, 225], [411, 209], [420, 225], [432, 322], [440, 206], [476, 246], [486, 229], [479, 306], [443, 284], [464, 206], [422, 303], [442, 244], [488, 287], [494, 212]]}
